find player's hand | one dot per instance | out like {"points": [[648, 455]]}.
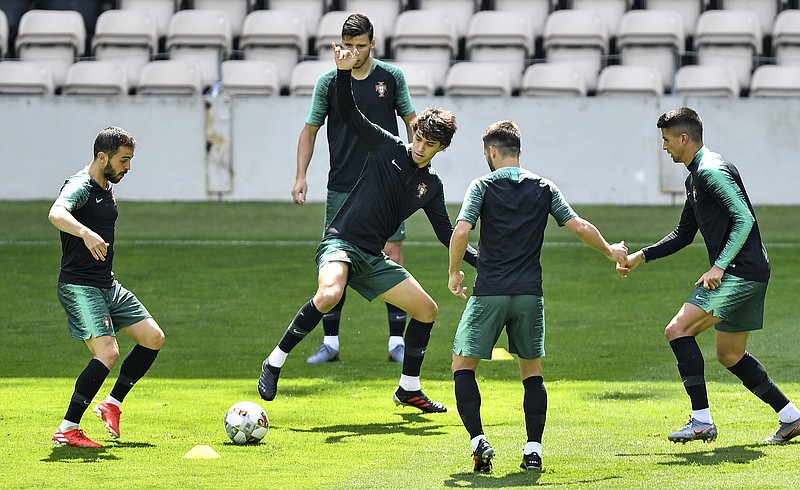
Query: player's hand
{"points": [[455, 284], [712, 279], [300, 191], [619, 253], [631, 262], [96, 245], [344, 58]]}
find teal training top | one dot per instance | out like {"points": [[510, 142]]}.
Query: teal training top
{"points": [[513, 205], [717, 205]]}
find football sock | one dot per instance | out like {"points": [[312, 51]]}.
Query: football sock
{"points": [[754, 377], [67, 425], [277, 358], [304, 321], [397, 320], [703, 415], [691, 368], [135, 365], [331, 319], [532, 447], [417, 336], [410, 383], [113, 401], [789, 413], [476, 440], [394, 341], [86, 387], [468, 401], [534, 405], [331, 341]]}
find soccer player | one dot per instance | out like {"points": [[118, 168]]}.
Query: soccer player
{"points": [[396, 181], [381, 94], [730, 295], [513, 205], [97, 306]]}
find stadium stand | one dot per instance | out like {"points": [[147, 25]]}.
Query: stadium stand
{"points": [[652, 38], [536, 10], [202, 37], [419, 78], [26, 77], [162, 11], [786, 38], [96, 78], [689, 10], [277, 36], [459, 11], [729, 38], [555, 80], [478, 78], [775, 81], [55, 37], [629, 81], [311, 10], [765, 10], [611, 10], [305, 75], [248, 77], [127, 36], [578, 38], [425, 38], [505, 38], [237, 10], [170, 77], [705, 81]]}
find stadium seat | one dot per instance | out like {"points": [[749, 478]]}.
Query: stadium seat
{"points": [[96, 78], [162, 11], [689, 10], [90, 10], [310, 10], [478, 78], [536, 10], [629, 81], [26, 77], [553, 80], [709, 80], [501, 37], [170, 77], [422, 37], [237, 10], [729, 38], [127, 36], [459, 11], [611, 10], [652, 38], [383, 12], [202, 37], [419, 78], [55, 37], [766, 10], [306, 73], [278, 36], [4, 34], [578, 38], [248, 77], [775, 81], [330, 30], [786, 38]]}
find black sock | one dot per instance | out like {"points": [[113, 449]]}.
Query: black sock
{"points": [[468, 401], [417, 336], [304, 321], [331, 319], [691, 368], [397, 320], [754, 377], [534, 404], [135, 365], [86, 387]]}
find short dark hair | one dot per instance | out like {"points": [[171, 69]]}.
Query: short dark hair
{"points": [[505, 136], [357, 25], [436, 124], [111, 139], [684, 119]]}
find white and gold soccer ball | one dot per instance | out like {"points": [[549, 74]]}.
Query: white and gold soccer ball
{"points": [[246, 422]]}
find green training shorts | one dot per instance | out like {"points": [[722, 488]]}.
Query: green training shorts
{"points": [[99, 312], [738, 302]]}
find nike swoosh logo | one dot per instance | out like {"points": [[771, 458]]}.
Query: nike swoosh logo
{"points": [[395, 164], [98, 200]]}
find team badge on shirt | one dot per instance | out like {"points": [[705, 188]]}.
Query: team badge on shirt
{"points": [[381, 88], [106, 323], [694, 193], [422, 189]]}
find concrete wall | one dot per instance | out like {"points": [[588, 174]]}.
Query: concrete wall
{"points": [[597, 150]]}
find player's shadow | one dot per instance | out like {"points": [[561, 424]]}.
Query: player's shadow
{"points": [[740, 454], [70, 454], [521, 478], [408, 426]]}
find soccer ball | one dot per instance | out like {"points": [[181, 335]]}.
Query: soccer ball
{"points": [[246, 422]]}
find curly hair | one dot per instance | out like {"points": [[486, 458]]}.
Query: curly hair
{"points": [[436, 124], [111, 139]]}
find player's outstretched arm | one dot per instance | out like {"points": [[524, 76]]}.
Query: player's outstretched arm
{"points": [[590, 235]]}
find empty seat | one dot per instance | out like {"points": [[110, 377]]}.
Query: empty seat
{"points": [[422, 37], [709, 80], [458, 10], [89, 10], [478, 78], [306, 73], [629, 81], [55, 37], [611, 10], [26, 77], [536, 10], [96, 78], [237, 10], [170, 77], [729, 38], [382, 12], [278, 36], [578, 38], [127, 36], [202, 37], [652, 38], [161, 11], [419, 78], [248, 77], [310, 10], [558, 80], [786, 38], [775, 81], [501, 37], [765, 10], [689, 10], [3, 34], [330, 30]]}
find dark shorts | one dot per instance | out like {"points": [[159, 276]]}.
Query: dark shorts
{"points": [[370, 275], [738, 302], [334, 202], [99, 312], [484, 318]]}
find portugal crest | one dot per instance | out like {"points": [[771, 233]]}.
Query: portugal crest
{"points": [[422, 189], [380, 87]]}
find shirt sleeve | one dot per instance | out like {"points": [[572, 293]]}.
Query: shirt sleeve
{"points": [[74, 194], [473, 201], [728, 194], [436, 211], [318, 111], [677, 239], [559, 207]]}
